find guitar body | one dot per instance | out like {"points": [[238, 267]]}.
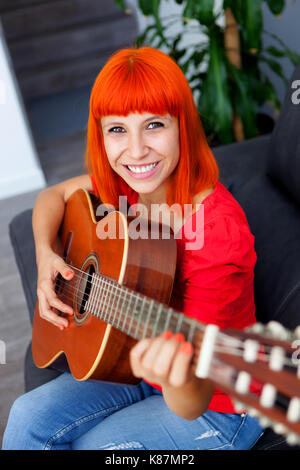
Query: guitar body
{"points": [[120, 292], [95, 349]]}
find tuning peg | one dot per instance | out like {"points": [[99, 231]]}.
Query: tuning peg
{"points": [[296, 332], [265, 422], [293, 412], [293, 439], [279, 428], [243, 382], [253, 412], [256, 328], [277, 357], [277, 330], [251, 348], [268, 395], [239, 406]]}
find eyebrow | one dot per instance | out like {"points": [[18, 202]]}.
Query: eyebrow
{"points": [[120, 123]]}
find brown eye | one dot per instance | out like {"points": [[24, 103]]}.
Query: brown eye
{"points": [[154, 125], [117, 130]]}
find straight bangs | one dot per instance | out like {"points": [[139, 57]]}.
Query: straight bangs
{"points": [[134, 86]]}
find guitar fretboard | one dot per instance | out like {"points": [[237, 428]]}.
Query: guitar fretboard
{"points": [[135, 314]]}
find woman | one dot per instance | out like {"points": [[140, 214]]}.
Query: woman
{"points": [[145, 141]]}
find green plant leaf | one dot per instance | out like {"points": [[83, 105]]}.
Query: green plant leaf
{"points": [[214, 102], [245, 106], [276, 6], [249, 15], [121, 4], [201, 10], [292, 55], [194, 59], [141, 39], [272, 50], [176, 54], [276, 67], [147, 6]]}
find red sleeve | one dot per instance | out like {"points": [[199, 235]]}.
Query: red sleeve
{"points": [[218, 278]]}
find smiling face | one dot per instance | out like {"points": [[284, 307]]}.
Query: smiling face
{"points": [[143, 149]]}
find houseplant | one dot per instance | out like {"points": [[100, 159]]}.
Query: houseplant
{"points": [[224, 68]]}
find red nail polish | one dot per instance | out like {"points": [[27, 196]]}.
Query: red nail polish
{"points": [[186, 348], [69, 273], [167, 334], [178, 337]]}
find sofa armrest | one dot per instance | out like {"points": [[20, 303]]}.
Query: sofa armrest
{"points": [[21, 237]]}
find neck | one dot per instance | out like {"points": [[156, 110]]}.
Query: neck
{"points": [[157, 197]]}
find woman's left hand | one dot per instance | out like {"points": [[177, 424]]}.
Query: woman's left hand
{"points": [[164, 360]]}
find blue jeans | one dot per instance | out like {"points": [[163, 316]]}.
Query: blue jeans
{"points": [[67, 414]]}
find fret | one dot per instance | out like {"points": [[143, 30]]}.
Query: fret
{"points": [[100, 296], [117, 308], [158, 313], [174, 321], [109, 294], [136, 335], [179, 323], [103, 300], [147, 320], [169, 315], [120, 312], [126, 311], [190, 336], [133, 314]]}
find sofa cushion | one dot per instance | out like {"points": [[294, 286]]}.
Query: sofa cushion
{"points": [[240, 162], [274, 219], [284, 155]]}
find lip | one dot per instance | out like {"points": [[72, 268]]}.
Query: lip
{"points": [[142, 176]]}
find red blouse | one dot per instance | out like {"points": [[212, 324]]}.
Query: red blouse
{"points": [[214, 283]]}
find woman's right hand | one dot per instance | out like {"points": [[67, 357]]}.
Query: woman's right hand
{"points": [[49, 266]]}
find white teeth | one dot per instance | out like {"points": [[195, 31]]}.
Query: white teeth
{"points": [[141, 169]]}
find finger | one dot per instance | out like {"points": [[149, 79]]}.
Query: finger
{"points": [[47, 314], [63, 268], [153, 350], [55, 302], [163, 361], [180, 368], [47, 289], [136, 355]]}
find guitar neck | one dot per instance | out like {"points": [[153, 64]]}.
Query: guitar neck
{"points": [[135, 314]]}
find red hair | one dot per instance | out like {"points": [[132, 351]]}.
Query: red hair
{"points": [[148, 80]]}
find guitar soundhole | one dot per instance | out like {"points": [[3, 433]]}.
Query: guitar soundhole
{"points": [[83, 288]]}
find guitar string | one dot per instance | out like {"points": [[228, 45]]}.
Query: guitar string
{"points": [[113, 283], [234, 342], [69, 289], [117, 287]]}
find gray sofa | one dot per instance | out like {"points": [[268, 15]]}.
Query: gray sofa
{"points": [[263, 174]]}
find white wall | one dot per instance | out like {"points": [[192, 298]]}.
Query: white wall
{"points": [[20, 170]]}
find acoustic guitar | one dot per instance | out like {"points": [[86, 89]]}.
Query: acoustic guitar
{"points": [[120, 293]]}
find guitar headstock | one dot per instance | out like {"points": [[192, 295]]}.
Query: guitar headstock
{"points": [[260, 368]]}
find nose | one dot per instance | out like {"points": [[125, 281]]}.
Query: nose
{"points": [[137, 147]]}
